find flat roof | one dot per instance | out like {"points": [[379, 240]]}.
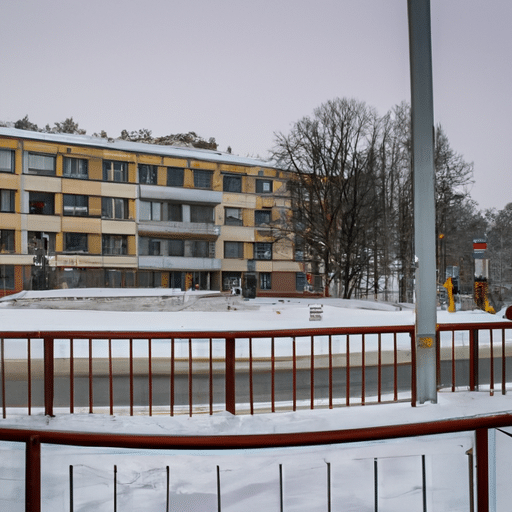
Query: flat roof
{"points": [[137, 147]]}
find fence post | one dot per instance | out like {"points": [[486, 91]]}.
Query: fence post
{"points": [[33, 474], [48, 376], [482, 469], [230, 375], [473, 360]]}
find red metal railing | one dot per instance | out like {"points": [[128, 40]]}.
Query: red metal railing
{"points": [[34, 438], [172, 372]]}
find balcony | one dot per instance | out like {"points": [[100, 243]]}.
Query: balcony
{"points": [[184, 228], [178, 263]]}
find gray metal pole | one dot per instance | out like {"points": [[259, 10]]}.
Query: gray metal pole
{"points": [[422, 109]]}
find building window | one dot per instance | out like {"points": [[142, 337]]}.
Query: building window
{"points": [[41, 164], [114, 245], [300, 281], [6, 160], [75, 205], [6, 277], [40, 240], [176, 248], [265, 281], [114, 208], [75, 168], [6, 240], [200, 249], [174, 212], [202, 179], [7, 201], [148, 174], [175, 177], [233, 217], [115, 171], [154, 247], [262, 217], [263, 186], [75, 242], [150, 210], [202, 214], [233, 249], [262, 251], [232, 184], [41, 203]]}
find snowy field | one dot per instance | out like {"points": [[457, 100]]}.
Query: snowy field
{"points": [[352, 477]]}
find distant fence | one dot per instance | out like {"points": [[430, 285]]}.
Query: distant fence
{"points": [[239, 371]]}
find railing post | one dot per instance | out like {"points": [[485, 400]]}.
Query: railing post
{"points": [[33, 475], [482, 469], [473, 360], [48, 376], [230, 375]]}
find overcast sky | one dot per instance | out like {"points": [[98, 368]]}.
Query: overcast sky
{"points": [[240, 71]]}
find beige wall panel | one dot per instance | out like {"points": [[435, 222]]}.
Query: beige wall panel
{"points": [[120, 261], [95, 168], [16, 259], [238, 200], [10, 221], [42, 183], [234, 265], [94, 242], [237, 233], [48, 223], [10, 181], [95, 206], [117, 227], [288, 266], [264, 266], [81, 225], [40, 147], [86, 187], [118, 190], [174, 162]]}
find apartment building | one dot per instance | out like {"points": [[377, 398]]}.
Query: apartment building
{"points": [[79, 211]]}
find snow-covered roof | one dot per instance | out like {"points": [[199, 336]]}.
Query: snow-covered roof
{"points": [[137, 147]]}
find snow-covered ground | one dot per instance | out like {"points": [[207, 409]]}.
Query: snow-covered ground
{"points": [[250, 479]]}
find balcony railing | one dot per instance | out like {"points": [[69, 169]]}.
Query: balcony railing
{"points": [[239, 372]]}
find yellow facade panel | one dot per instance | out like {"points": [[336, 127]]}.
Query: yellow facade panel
{"points": [[132, 245], [118, 227], [42, 183], [94, 242], [49, 223], [10, 221], [120, 156], [9, 143], [188, 178], [95, 168], [110, 189], [132, 172], [85, 187], [196, 164], [162, 176], [94, 206], [40, 147], [10, 181], [174, 162], [150, 159], [81, 225]]}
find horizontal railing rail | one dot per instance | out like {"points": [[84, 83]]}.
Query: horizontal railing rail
{"points": [[33, 439], [239, 371]]}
